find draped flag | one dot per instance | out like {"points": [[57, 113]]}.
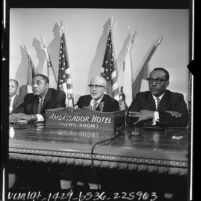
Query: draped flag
{"points": [[48, 69], [108, 68], [139, 83], [128, 73], [64, 75], [31, 71]]}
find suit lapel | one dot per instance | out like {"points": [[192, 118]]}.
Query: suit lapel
{"points": [[164, 102], [15, 102], [35, 105], [151, 102], [45, 102], [89, 101], [104, 102]]}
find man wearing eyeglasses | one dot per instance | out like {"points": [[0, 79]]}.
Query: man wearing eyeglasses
{"points": [[35, 104], [98, 100], [158, 106]]}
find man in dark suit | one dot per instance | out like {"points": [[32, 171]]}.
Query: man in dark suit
{"points": [[35, 104], [33, 109], [98, 100], [158, 106], [14, 99]]}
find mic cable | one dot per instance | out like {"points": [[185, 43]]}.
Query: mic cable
{"points": [[92, 153]]}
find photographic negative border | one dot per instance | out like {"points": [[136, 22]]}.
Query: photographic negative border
{"points": [[8, 4]]}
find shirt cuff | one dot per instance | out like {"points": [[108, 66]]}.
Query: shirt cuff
{"points": [[39, 117], [156, 117]]}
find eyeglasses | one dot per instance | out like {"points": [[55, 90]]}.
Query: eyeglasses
{"points": [[37, 82], [157, 80], [96, 86]]}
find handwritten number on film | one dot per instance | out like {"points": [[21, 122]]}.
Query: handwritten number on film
{"points": [[101, 196], [81, 196], [135, 196]]}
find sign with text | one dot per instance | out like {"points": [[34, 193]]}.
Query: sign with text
{"points": [[84, 119]]}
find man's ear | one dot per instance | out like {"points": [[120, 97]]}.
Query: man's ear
{"points": [[167, 83], [105, 89]]}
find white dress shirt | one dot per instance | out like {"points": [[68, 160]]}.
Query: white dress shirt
{"points": [[92, 102], [40, 116], [11, 103], [156, 114]]}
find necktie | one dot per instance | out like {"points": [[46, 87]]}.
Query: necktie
{"points": [[40, 104], [94, 105], [157, 102]]}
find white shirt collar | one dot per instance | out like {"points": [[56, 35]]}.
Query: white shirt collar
{"points": [[11, 102], [12, 98], [160, 97], [98, 101]]}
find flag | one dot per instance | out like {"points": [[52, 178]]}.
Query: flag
{"points": [[108, 68], [64, 75], [140, 83], [31, 71], [128, 73], [48, 69]]}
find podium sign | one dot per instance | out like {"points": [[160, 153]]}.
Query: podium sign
{"points": [[84, 119]]}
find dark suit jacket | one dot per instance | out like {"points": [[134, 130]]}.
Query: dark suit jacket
{"points": [[110, 104], [18, 100], [53, 99], [171, 101]]}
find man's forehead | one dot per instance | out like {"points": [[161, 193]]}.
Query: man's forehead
{"points": [[97, 81], [12, 82], [38, 78], [157, 74]]}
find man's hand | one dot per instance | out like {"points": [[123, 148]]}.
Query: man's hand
{"points": [[142, 115], [26, 117], [14, 118], [20, 118], [174, 113]]}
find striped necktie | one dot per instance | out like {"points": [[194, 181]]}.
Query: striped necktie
{"points": [[157, 102], [94, 105], [40, 104]]}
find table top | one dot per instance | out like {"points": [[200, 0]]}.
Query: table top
{"points": [[155, 149]]}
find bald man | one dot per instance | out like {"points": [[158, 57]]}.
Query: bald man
{"points": [[98, 100], [14, 99]]}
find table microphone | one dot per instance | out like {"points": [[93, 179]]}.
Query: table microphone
{"points": [[101, 105]]}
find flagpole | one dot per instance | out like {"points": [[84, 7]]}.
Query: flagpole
{"points": [[48, 56], [61, 28], [132, 41], [159, 40], [112, 22], [33, 66]]}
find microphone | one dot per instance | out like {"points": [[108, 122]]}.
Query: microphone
{"points": [[101, 105]]}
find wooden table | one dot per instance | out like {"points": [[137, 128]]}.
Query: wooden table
{"points": [[162, 150], [156, 154]]}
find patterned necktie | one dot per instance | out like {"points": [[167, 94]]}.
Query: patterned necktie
{"points": [[157, 102], [40, 104], [94, 105]]}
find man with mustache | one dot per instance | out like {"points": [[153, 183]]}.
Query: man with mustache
{"points": [[35, 104], [33, 109], [158, 106], [98, 100]]}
